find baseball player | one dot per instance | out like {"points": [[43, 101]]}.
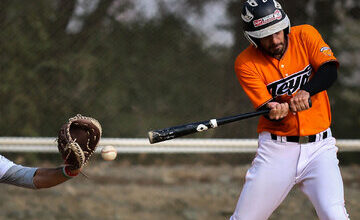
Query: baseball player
{"points": [[77, 141], [282, 69]]}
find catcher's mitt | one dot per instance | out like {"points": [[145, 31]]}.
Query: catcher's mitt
{"points": [[78, 139]]}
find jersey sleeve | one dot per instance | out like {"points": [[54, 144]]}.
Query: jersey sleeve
{"points": [[319, 52], [5, 164], [20, 176], [14, 174], [253, 85]]}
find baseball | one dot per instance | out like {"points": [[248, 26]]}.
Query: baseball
{"points": [[108, 153]]}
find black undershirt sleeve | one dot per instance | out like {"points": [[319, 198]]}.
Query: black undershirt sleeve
{"points": [[323, 79]]}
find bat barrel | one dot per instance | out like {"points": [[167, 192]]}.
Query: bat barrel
{"points": [[151, 137], [178, 131], [164, 135], [161, 135]]}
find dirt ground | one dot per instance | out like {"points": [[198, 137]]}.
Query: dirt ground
{"points": [[157, 189]]}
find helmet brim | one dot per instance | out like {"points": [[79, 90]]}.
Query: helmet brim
{"points": [[285, 23]]}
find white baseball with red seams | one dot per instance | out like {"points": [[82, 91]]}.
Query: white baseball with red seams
{"points": [[108, 153]]}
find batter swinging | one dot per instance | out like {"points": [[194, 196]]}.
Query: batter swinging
{"points": [[281, 69]]}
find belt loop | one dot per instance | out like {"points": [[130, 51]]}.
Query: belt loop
{"points": [[320, 136], [329, 134], [283, 138]]}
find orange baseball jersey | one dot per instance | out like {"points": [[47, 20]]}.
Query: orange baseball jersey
{"points": [[263, 78]]}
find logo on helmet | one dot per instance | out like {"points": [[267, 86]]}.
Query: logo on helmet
{"points": [[248, 16], [253, 3], [277, 4], [267, 19]]}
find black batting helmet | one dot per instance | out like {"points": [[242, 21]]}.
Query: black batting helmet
{"points": [[262, 18]]}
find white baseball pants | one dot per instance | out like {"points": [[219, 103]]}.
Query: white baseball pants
{"points": [[278, 166]]}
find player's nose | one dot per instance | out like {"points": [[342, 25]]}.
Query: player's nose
{"points": [[274, 39]]}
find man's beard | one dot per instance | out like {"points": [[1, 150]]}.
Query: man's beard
{"points": [[276, 50]]}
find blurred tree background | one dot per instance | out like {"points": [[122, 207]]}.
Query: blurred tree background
{"points": [[138, 65]]}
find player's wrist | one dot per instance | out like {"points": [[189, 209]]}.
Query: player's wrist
{"points": [[69, 171]]}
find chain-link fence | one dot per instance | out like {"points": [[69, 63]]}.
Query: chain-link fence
{"points": [[142, 65]]}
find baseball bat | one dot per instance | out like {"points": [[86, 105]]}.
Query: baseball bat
{"points": [[181, 130]]}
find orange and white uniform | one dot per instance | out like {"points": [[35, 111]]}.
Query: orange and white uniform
{"points": [[280, 162], [263, 78]]}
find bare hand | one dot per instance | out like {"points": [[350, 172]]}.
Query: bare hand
{"points": [[278, 110], [300, 101]]}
